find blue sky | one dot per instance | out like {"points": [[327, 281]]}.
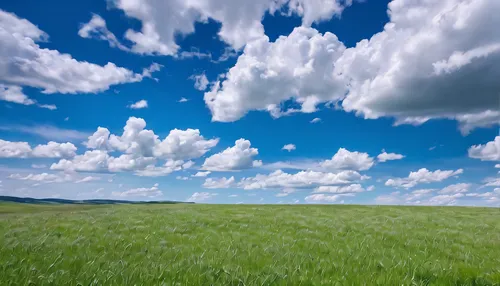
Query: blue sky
{"points": [[266, 101]]}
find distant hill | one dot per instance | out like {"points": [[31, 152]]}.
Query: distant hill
{"points": [[86, 202]]}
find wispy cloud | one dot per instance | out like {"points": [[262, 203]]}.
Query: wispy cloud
{"points": [[47, 131]]}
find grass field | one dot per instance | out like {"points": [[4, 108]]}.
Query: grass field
{"points": [[248, 245]]}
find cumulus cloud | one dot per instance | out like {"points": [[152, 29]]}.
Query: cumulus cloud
{"points": [[289, 147], [170, 166], [141, 150], [238, 157], [139, 104], [52, 149], [392, 74], [302, 179], [422, 176], [240, 20], [24, 63], [345, 159], [203, 196], [55, 150], [384, 156], [90, 161], [299, 66], [135, 139], [140, 192], [218, 183], [487, 152], [10, 149]]}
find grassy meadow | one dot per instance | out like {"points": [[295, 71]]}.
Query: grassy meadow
{"points": [[248, 245]]}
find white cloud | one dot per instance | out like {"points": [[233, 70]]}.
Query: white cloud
{"points": [[455, 189], [257, 163], [142, 150], [52, 149], [298, 66], [96, 29], [302, 179], [55, 150], [488, 152], [90, 161], [185, 144], [444, 199], [10, 149], [419, 197], [354, 188], [345, 159], [38, 166], [203, 196], [200, 81], [218, 183], [178, 145], [144, 166], [188, 164], [322, 198], [47, 131], [138, 105], [43, 178], [240, 20], [201, 174], [88, 179], [182, 178], [384, 156], [422, 176], [24, 63], [285, 192], [394, 74], [238, 157], [183, 99], [48, 106], [12, 93], [316, 120], [492, 182], [289, 147], [140, 192], [390, 199]]}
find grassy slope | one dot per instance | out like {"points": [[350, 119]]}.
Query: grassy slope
{"points": [[249, 245]]}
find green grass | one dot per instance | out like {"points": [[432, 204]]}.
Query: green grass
{"points": [[248, 245]]}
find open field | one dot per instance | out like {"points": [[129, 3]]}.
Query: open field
{"points": [[248, 245]]}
